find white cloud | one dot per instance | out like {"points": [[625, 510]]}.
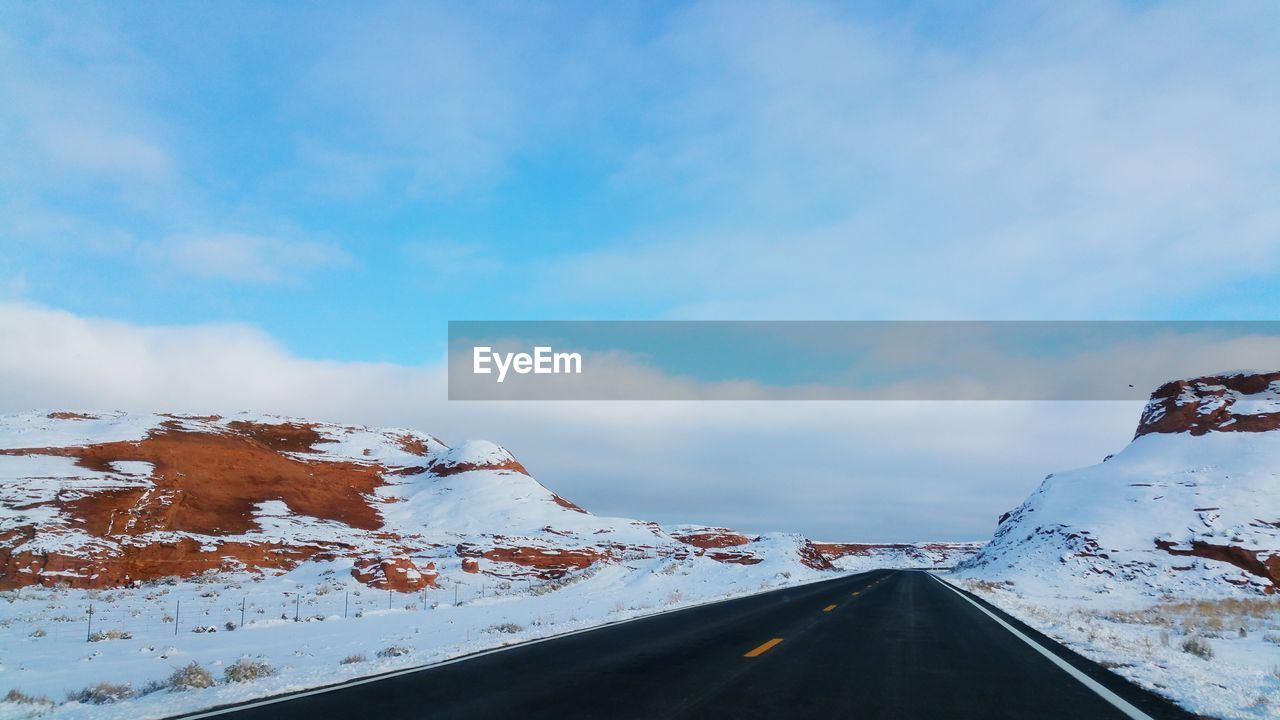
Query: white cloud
{"points": [[1067, 160], [893, 471], [245, 258], [76, 107]]}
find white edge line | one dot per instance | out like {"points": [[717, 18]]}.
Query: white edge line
{"points": [[1120, 703], [197, 714]]}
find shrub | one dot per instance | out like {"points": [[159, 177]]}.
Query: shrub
{"points": [[191, 677], [230, 626], [508, 628], [1196, 646], [353, 659], [246, 670], [103, 693], [393, 651], [110, 635], [17, 696], [38, 633]]}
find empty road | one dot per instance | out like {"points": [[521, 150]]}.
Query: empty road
{"points": [[882, 644]]}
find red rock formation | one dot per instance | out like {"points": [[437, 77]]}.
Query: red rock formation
{"points": [[181, 558], [713, 538], [811, 556], [1256, 562], [736, 558], [397, 573], [1204, 404], [547, 563], [445, 469]]}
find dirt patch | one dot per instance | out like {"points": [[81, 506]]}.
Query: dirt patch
{"points": [[204, 483], [211, 483], [67, 415], [281, 437], [414, 445]]}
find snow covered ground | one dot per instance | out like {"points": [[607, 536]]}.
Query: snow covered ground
{"points": [[456, 550], [345, 629], [1217, 657], [1163, 560]]}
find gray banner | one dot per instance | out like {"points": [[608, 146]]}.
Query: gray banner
{"points": [[839, 360]]}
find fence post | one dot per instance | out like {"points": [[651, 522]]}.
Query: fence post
{"points": [[89, 633], [177, 614], [242, 601], [297, 606], [346, 603]]}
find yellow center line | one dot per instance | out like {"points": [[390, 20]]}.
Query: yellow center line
{"points": [[855, 593], [829, 608], [763, 648]]}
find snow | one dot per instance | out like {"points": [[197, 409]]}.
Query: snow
{"points": [[1082, 560], [43, 631], [1156, 488], [310, 652], [1141, 639]]}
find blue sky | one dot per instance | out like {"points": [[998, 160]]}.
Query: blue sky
{"points": [[348, 178], [334, 183]]}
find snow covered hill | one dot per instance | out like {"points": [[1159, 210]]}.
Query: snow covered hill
{"points": [[1162, 561], [132, 546], [99, 501], [1191, 505]]}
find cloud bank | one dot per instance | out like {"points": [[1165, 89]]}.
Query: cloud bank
{"points": [[860, 470]]}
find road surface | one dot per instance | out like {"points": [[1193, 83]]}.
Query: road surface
{"points": [[882, 644]]}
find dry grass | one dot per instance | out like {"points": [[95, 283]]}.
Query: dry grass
{"points": [[191, 677], [987, 585], [353, 659], [1211, 618], [246, 670], [103, 694], [110, 635], [1195, 646], [17, 696]]}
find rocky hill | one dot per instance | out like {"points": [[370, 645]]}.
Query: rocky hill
{"points": [[108, 500], [1191, 505]]}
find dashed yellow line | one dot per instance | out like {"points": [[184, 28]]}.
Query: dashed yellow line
{"points": [[855, 593], [764, 648], [829, 608]]}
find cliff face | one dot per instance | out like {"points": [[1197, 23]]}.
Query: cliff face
{"points": [[1232, 402], [1192, 503]]}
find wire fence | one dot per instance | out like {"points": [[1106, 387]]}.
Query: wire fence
{"points": [[167, 611]]}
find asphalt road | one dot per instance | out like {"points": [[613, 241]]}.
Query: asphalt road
{"points": [[883, 644]]}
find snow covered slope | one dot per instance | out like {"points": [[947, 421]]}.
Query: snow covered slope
{"points": [[1191, 506]]}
